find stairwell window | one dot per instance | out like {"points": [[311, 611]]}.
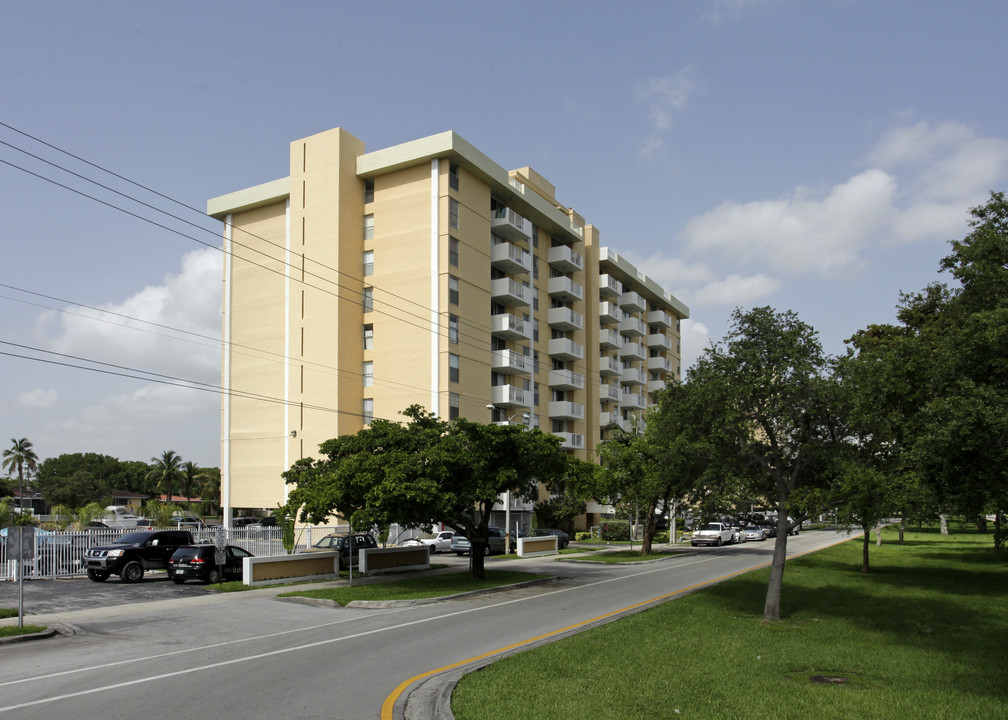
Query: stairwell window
{"points": [[367, 299], [453, 290], [453, 213], [368, 227], [368, 262], [453, 406], [453, 251], [453, 367], [368, 336], [367, 414], [453, 329], [368, 373], [453, 176]]}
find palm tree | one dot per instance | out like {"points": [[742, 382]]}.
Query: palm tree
{"points": [[165, 470], [20, 456], [191, 475]]}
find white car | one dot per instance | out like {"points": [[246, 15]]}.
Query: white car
{"points": [[439, 543], [754, 532]]}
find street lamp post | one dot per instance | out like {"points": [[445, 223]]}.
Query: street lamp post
{"points": [[507, 493]]}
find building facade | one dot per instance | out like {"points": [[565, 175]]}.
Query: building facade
{"points": [[422, 273]]}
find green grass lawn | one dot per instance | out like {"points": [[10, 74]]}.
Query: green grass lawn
{"points": [[417, 588], [924, 635], [12, 630]]}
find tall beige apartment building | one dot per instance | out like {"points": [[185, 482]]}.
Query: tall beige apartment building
{"points": [[426, 274]]}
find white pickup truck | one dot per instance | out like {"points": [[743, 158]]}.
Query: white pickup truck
{"points": [[713, 533]]}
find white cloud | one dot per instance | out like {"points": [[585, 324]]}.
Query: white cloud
{"points": [[735, 290], [721, 10], [695, 337], [666, 96], [37, 399], [694, 282]]}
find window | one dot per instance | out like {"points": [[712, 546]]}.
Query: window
{"points": [[453, 367], [453, 329], [368, 227], [368, 410], [368, 299], [453, 290], [369, 191], [368, 262], [368, 373], [368, 336], [453, 213], [453, 176], [453, 251], [453, 406]]}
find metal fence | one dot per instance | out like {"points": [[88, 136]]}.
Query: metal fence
{"points": [[60, 554]]}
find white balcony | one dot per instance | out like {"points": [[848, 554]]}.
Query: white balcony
{"points": [[510, 327], [510, 361], [608, 419], [571, 441], [632, 376], [655, 385], [564, 289], [609, 313], [632, 302], [565, 319], [510, 259], [632, 350], [610, 366], [510, 396], [565, 349], [659, 340], [632, 327], [509, 292], [565, 380], [564, 259], [609, 338], [632, 400], [563, 410], [609, 392], [659, 363], [609, 287], [660, 318], [509, 224]]}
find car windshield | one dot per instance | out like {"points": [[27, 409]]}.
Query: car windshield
{"points": [[711, 526], [131, 538]]}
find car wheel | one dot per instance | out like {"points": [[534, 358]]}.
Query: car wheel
{"points": [[178, 580], [213, 577], [433, 549], [459, 553], [132, 572], [97, 575], [719, 542]]}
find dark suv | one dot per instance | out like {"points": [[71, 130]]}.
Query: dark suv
{"points": [[344, 543], [133, 553], [199, 562]]}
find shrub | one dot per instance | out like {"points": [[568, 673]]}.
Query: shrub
{"points": [[614, 530]]}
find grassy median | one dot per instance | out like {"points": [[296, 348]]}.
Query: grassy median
{"points": [[923, 635]]}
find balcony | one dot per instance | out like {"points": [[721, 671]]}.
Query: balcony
{"points": [[565, 380], [510, 327], [563, 410], [608, 392], [658, 340], [659, 363], [608, 419], [655, 385], [510, 361], [564, 319], [632, 376], [571, 441], [504, 396], [610, 366], [564, 259], [609, 338], [632, 400], [659, 318], [632, 327], [632, 350], [564, 289], [510, 259], [609, 287], [632, 302], [508, 292], [609, 313], [509, 224], [565, 349]]}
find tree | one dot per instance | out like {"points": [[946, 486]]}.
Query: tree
{"points": [[769, 383], [165, 471], [190, 478], [425, 471], [21, 457]]}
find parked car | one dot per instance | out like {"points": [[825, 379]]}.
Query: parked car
{"points": [[133, 553], [795, 528], [563, 539], [439, 543], [199, 562], [187, 521], [713, 533], [514, 539], [347, 544], [754, 532], [460, 544]]}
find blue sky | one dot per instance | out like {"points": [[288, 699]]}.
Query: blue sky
{"points": [[811, 155]]}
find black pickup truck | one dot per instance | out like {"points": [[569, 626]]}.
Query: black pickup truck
{"points": [[133, 553]]}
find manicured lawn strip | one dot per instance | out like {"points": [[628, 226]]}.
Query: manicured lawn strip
{"points": [[12, 630], [629, 556], [417, 588], [8, 612], [924, 635]]}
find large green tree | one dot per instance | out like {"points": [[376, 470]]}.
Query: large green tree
{"points": [[165, 472], [425, 471], [20, 458]]}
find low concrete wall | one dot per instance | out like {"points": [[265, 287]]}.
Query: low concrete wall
{"points": [[397, 559], [267, 570], [536, 546]]}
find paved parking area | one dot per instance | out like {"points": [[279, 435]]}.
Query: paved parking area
{"points": [[52, 596]]}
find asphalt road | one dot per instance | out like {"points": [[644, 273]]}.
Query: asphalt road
{"points": [[252, 655]]}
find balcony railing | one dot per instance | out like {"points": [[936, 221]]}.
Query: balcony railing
{"points": [[609, 313], [565, 349], [509, 292], [632, 376], [632, 350], [563, 288], [510, 327], [658, 340], [510, 396], [609, 338], [609, 287], [632, 301], [509, 224], [509, 360], [565, 319], [633, 327], [659, 317], [659, 363], [571, 441], [564, 259], [510, 259], [610, 366], [566, 380], [610, 393], [562, 409], [632, 400]]}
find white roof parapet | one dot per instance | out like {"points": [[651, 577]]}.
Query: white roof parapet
{"points": [[630, 271], [249, 198]]}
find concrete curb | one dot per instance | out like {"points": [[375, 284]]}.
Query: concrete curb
{"points": [[47, 633], [385, 604]]}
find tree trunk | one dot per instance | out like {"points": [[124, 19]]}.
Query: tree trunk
{"points": [[944, 524], [771, 610], [649, 527], [476, 556], [878, 534], [902, 526], [866, 541]]}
